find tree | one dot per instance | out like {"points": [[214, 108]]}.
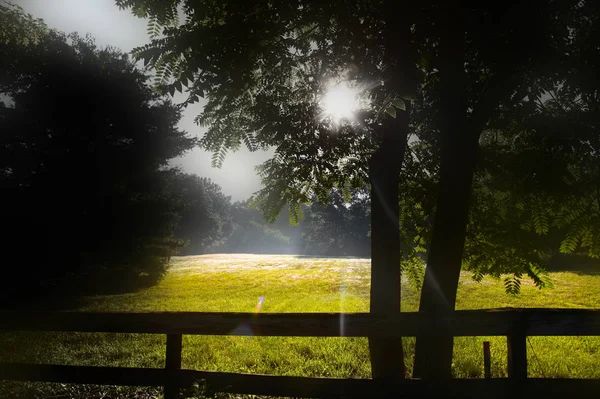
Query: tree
{"points": [[515, 71], [19, 28], [88, 194], [544, 176], [339, 227], [206, 220], [250, 234], [262, 67], [358, 217], [445, 70]]}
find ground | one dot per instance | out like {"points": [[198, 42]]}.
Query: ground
{"points": [[235, 283]]}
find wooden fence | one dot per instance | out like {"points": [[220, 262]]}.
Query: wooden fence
{"points": [[515, 324]]}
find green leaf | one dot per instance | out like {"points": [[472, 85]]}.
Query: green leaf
{"points": [[512, 285], [391, 111], [540, 220], [295, 213], [400, 104], [569, 244]]}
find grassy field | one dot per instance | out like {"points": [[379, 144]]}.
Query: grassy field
{"points": [[299, 284]]}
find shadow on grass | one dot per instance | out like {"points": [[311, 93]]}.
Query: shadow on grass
{"points": [[69, 293], [579, 264]]}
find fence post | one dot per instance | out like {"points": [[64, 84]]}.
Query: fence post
{"points": [[517, 355], [487, 361], [172, 364]]}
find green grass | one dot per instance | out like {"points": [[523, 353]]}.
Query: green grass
{"points": [[228, 283]]}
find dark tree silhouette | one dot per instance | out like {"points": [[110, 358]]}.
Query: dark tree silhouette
{"points": [[251, 234], [87, 192], [338, 228], [206, 220], [528, 46]]}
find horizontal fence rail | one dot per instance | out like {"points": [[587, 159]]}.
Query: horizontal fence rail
{"points": [[515, 324], [529, 322], [257, 384]]}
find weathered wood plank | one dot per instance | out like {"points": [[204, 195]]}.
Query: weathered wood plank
{"points": [[517, 355], [305, 386], [173, 354], [487, 360], [534, 322], [173, 365], [409, 388]]}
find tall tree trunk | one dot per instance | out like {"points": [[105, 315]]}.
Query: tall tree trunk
{"points": [[460, 139], [387, 358], [433, 357]]}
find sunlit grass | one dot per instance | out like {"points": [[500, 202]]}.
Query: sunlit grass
{"points": [[234, 283]]}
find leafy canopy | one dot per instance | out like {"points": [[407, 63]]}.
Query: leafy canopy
{"points": [[84, 155], [263, 66]]}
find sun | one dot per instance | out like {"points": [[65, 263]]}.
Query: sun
{"points": [[340, 102]]}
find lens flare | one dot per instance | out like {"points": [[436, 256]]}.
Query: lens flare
{"points": [[261, 300], [244, 329]]}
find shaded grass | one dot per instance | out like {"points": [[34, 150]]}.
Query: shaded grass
{"points": [[234, 283]]}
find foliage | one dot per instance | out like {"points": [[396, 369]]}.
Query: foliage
{"points": [[263, 90], [341, 229], [338, 228], [263, 67], [19, 28], [250, 234], [538, 138], [538, 183], [206, 220], [84, 166]]}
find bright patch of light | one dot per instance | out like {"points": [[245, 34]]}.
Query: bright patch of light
{"points": [[340, 102]]}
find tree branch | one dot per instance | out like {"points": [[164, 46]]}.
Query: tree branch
{"points": [[500, 87]]}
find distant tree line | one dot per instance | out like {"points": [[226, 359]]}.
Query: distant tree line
{"points": [[338, 228]]}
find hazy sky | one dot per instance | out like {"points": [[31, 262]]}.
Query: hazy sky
{"points": [[111, 26]]}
